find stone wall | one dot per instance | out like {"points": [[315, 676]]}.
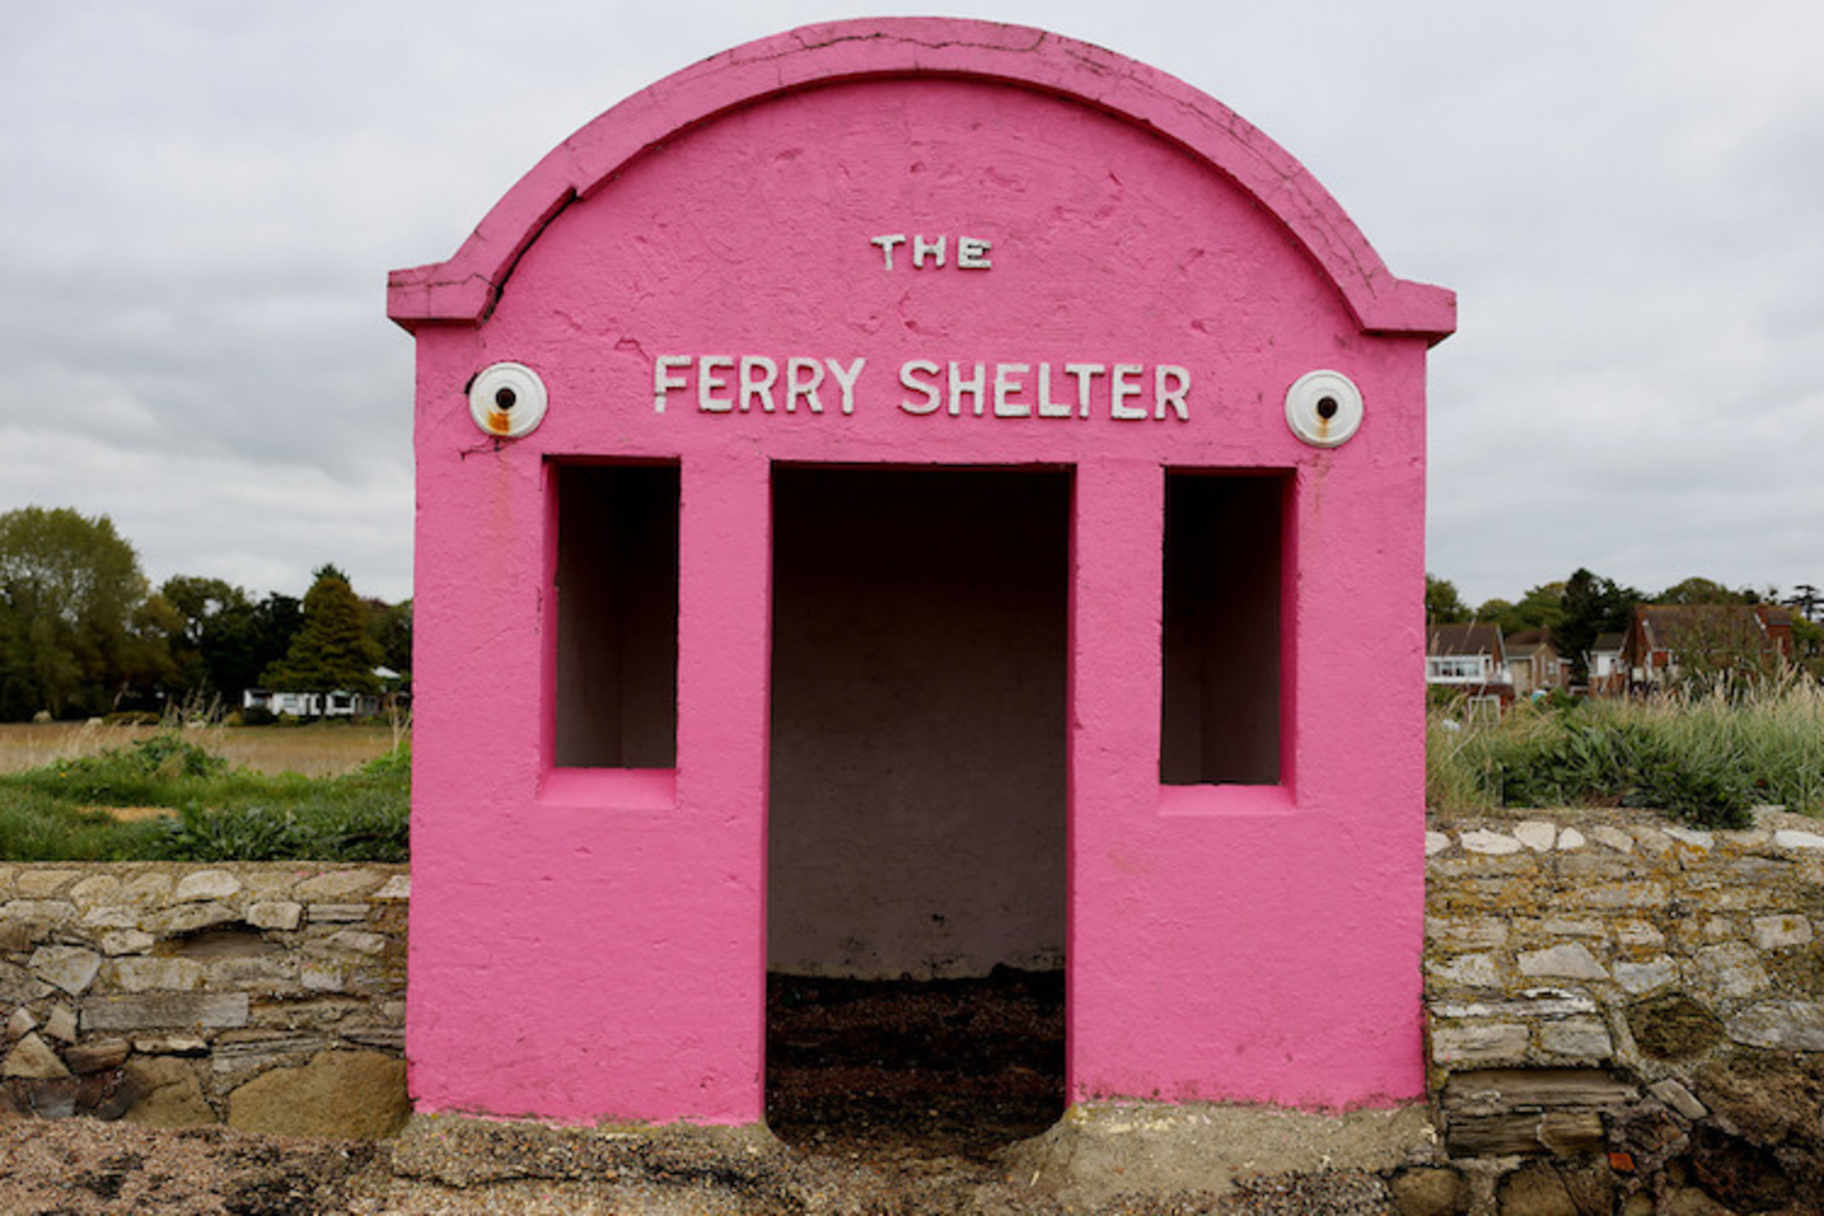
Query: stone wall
{"points": [[182, 994], [1625, 1012], [1624, 1016]]}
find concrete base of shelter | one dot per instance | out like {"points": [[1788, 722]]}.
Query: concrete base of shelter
{"points": [[1100, 1150], [1097, 1157]]}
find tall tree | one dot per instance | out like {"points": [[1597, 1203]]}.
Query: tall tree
{"points": [[1806, 600], [69, 586], [1593, 605], [1442, 603], [332, 651], [1696, 590]]}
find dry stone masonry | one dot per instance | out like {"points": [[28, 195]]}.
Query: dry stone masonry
{"points": [[1625, 1014], [269, 996]]}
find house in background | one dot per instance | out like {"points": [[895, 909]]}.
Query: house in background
{"points": [[1470, 660], [1533, 662], [1602, 663], [1715, 635]]}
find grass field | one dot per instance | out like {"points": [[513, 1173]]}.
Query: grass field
{"points": [[318, 750], [209, 794], [1703, 758]]}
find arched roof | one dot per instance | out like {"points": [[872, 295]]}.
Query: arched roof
{"points": [[464, 288]]}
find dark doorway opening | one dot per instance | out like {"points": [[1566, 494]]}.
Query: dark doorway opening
{"points": [[916, 812]]}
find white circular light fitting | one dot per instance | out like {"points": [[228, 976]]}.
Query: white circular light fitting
{"points": [[1324, 408], [507, 400]]}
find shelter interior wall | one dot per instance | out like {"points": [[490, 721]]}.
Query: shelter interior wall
{"points": [[916, 820]]}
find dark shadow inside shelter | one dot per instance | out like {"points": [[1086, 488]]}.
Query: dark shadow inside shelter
{"points": [[1220, 648], [916, 812], [616, 582]]}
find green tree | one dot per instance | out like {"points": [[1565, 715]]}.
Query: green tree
{"points": [[332, 650], [69, 588], [1703, 591], [1593, 605], [1442, 603]]}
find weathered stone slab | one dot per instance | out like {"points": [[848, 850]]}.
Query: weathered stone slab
{"points": [[51, 911], [1469, 970], [336, 914], [170, 1045], [173, 1097], [361, 943], [1536, 834], [1473, 1043], [1783, 1025], [1639, 978], [70, 968], [1785, 929], [1678, 1098], [1482, 840], [1533, 1003], [21, 1023], [1731, 970], [261, 1049], [1650, 893], [1571, 960], [60, 1024], [1499, 1090], [163, 1009], [126, 941], [1559, 1133], [1792, 838], [275, 914], [111, 916], [1481, 932], [1585, 1038], [337, 885], [35, 883], [206, 884], [339, 1094], [188, 918], [17, 985], [32, 1059], [95, 889], [1615, 838], [157, 974], [97, 1055], [399, 886]]}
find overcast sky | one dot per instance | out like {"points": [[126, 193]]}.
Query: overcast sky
{"points": [[202, 201]]}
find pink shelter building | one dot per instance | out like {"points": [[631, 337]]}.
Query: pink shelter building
{"points": [[895, 498]]}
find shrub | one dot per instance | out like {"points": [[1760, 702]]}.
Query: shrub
{"points": [[1704, 758]]}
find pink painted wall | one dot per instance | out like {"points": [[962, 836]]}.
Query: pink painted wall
{"points": [[591, 943]]}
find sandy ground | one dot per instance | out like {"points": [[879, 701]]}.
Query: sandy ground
{"points": [[79, 1167], [879, 1100]]}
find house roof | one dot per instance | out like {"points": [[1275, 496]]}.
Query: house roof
{"points": [[1667, 626], [1606, 642], [1465, 639]]}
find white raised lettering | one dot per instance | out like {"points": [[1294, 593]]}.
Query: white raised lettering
{"points": [[960, 386], [1047, 407], [1005, 386], [921, 247], [845, 380], [971, 253], [752, 387], [796, 388], [1084, 373], [707, 383], [663, 383], [886, 244], [1122, 387], [1173, 395], [928, 368]]}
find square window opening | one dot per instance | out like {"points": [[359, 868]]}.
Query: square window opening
{"points": [[1221, 652], [616, 670]]}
